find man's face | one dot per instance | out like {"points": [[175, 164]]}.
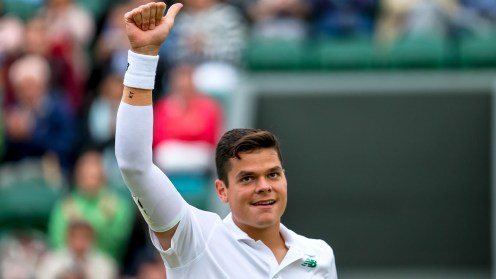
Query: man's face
{"points": [[257, 191]]}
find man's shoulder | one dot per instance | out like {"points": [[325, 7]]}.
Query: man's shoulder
{"points": [[318, 246], [204, 216]]}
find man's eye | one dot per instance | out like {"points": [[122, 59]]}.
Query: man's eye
{"points": [[246, 179], [273, 175]]}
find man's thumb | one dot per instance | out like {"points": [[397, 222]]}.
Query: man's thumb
{"points": [[172, 12]]}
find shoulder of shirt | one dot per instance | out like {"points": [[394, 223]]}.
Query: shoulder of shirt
{"points": [[205, 216], [317, 246]]}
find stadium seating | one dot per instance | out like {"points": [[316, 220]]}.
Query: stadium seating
{"points": [[194, 187], [26, 204], [21, 8], [419, 52], [355, 53], [412, 52], [274, 54], [478, 51]]}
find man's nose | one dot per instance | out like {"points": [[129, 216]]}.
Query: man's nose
{"points": [[263, 185]]}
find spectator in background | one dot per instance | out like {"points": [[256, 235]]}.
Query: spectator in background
{"points": [[208, 30], [403, 18], [212, 35], [20, 253], [343, 18], [187, 126], [68, 22], [101, 116], [37, 122], [73, 274], [101, 124], [111, 45], [13, 29], [110, 214], [69, 29], [477, 17], [67, 75], [79, 258], [2, 136], [285, 19], [152, 267]]}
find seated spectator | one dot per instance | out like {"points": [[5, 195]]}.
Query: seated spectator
{"points": [[477, 17], [67, 72], [79, 259], [37, 123], [12, 28], [74, 273], [111, 44], [152, 267], [69, 30], [403, 18], [187, 126], [208, 30], [68, 21], [103, 110], [2, 138], [2, 128], [338, 19], [282, 19], [110, 214], [101, 125], [20, 252], [211, 34]]}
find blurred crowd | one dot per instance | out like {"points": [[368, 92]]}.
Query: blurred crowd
{"points": [[61, 68]]}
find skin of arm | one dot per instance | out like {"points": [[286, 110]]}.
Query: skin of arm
{"points": [[147, 29]]}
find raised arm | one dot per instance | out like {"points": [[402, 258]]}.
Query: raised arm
{"points": [[159, 202]]}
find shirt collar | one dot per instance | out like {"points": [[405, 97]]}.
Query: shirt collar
{"points": [[235, 230], [289, 236]]}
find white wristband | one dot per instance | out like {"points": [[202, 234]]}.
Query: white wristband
{"points": [[140, 71]]}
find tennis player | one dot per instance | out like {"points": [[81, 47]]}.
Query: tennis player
{"points": [[250, 242]]}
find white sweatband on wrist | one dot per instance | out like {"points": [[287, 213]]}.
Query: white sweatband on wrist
{"points": [[140, 71]]}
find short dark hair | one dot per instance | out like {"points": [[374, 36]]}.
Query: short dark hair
{"points": [[238, 141]]}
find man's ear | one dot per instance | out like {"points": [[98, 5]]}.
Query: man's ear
{"points": [[221, 189]]}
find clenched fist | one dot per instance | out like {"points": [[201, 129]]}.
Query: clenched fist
{"points": [[147, 27]]}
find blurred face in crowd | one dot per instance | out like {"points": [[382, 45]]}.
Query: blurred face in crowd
{"points": [[35, 37], [182, 81], [90, 174], [29, 76], [111, 88], [80, 238], [30, 91]]}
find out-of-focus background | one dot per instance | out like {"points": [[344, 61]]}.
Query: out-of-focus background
{"points": [[384, 109]]}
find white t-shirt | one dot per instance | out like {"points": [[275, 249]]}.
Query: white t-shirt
{"points": [[204, 246]]}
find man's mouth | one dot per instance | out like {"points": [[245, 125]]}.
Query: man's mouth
{"points": [[264, 203]]}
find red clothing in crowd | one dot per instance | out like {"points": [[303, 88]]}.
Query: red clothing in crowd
{"points": [[197, 119]]}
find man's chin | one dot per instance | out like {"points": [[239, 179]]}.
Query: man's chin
{"points": [[263, 223]]}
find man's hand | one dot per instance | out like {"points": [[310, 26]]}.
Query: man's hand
{"points": [[147, 28]]}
